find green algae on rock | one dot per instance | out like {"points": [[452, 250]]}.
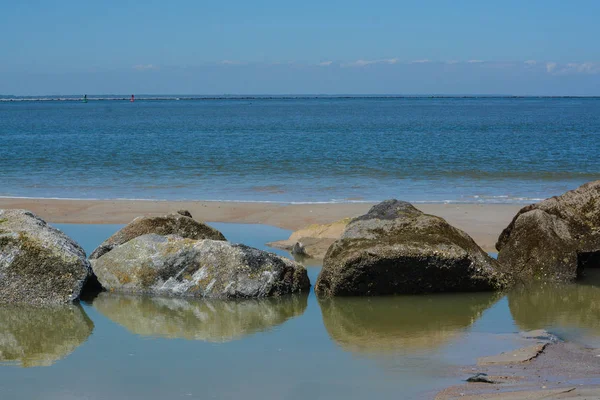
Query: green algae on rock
{"points": [[174, 266], [180, 224], [556, 239], [38, 263], [397, 249], [33, 336], [210, 320]]}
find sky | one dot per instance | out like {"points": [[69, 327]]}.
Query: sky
{"points": [[531, 47]]}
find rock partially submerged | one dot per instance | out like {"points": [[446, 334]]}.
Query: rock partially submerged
{"points": [[209, 320], [396, 248], [38, 263], [174, 266], [180, 224], [314, 239], [555, 239]]}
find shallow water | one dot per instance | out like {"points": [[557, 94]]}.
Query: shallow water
{"points": [[301, 150], [127, 347]]}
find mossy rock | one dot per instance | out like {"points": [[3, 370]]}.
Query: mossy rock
{"points": [[180, 224], [38, 263], [397, 249], [554, 240]]}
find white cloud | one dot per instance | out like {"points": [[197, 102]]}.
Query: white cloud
{"points": [[362, 63], [231, 62], [451, 62], [424, 61], [475, 61], [325, 63], [146, 67], [573, 68], [530, 62]]}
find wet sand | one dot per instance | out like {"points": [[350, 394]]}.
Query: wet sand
{"points": [[483, 222], [556, 370]]}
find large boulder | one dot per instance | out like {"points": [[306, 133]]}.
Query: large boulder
{"points": [[34, 336], [180, 224], [173, 266], [210, 320], [555, 239], [396, 248], [38, 263]]}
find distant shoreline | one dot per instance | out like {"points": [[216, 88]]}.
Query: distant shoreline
{"points": [[143, 97], [484, 222]]}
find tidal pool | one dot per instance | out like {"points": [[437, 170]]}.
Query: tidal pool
{"points": [[294, 347]]}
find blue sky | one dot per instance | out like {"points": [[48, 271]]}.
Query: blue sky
{"points": [[533, 47]]}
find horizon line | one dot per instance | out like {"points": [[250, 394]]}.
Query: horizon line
{"points": [[147, 97]]}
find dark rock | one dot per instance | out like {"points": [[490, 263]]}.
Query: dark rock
{"points": [[396, 248], [480, 378], [38, 263], [185, 213], [180, 224], [174, 266], [298, 249], [556, 239]]}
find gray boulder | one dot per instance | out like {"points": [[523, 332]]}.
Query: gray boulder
{"points": [[174, 266], [38, 263], [556, 239], [396, 248], [180, 224]]}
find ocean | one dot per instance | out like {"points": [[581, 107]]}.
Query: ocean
{"points": [[296, 150]]}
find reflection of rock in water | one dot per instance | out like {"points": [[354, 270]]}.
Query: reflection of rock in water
{"points": [[40, 336], [198, 319], [556, 305], [401, 323]]}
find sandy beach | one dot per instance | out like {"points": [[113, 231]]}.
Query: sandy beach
{"points": [[483, 222]]}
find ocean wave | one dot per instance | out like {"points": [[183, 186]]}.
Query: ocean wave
{"points": [[479, 200]]}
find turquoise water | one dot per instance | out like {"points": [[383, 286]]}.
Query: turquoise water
{"points": [[301, 150], [296, 347]]}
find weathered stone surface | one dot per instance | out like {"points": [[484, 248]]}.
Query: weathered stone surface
{"points": [[41, 335], [387, 324], [180, 224], [396, 248], [555, 239], [210, 320], [38, 263], [315, 238], [174, 266]]}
